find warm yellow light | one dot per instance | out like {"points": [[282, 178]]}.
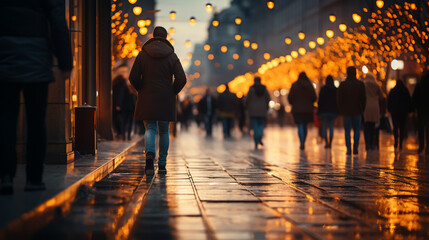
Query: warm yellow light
{"points": [[250, 61], [192, 21], [143, 31], [267, 56], [294, 54], [270, 4], [237, 20], [209, 8], [289, 58], [332, 18], [379, 3], [320, 41], [221, 88], [329, 33], [172, 41], [230, 66], [237, 37], [148, 22], [132, 1], [74, 18], [215, 23], [197, 63], [356, 17], [288, 40], [188, 43], [246, 43], [135, 52], [189, 56], [254, 46], [365, 69], [172, 31], [302, 51], [206, 47], [210, 56], [301, 35], [342, 27], [141, 23], [235, 56], [224, 49], [312, 44], [172, 15], [137, 10]]}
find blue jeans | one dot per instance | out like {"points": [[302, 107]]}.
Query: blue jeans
{"points": [[227, 124], [164, 139], [302, 133], [355, 122], [328, 121], [258, 124]]}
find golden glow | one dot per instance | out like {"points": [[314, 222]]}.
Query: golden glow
{"points": [[342, 27], [254, 46], [235, 56], [215, 23], [365, 69], [192, 21], [312, 44], [135, 52], [210, 56], [221, 88], [238, 20], [237, 37], [209, 8], [380, 3], [148, 22], [172, 41], [172, 15], [301, 35], [270, 4], [137, 10], [320, 41], [197, 63], [250, 61], [189, 56], [289, 58], [332, 18], [294, 54], [224, 49], [172, 31], [329, 33], [356, 17], [288, 40], [246, 43], [74, 18], [302, 51], [267, 56], [132, 1], [143, 31], [230, 66], [188, 43], [141, 23], [206, 47]]}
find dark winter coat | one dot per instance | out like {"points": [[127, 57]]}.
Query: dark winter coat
{"points": [[257, 101], [302, 97], [399, 99], [158, 76], [420, 98], [328, 99], [32, 31], [351, 97], [203, 106], [122, 97], [227, 104]]}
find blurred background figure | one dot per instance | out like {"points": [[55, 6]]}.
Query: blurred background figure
{"points": [[242, 115], [328, 110], [227, 107], [420, 101], [302, 97], [207, 107], [281, 115], [186, 113], [372, 111], [399, 105], [257, 101]]}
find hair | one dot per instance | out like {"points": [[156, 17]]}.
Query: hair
{"points": [[257, 80], [329, 80], [303, 76], [160, 32], [351, 72]]}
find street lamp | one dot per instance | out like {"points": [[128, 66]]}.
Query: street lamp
{"points": [[137, 10], [320, 41], [209, 7], [215, 23], [192, 21], [301, 35], [288, 40], [238, 20], [270, 4], [207, 47], [312, 44], [329, 33], [379, 3], [397, 65], [342, 27], [172, 15], [332, 17], [356, 17]]}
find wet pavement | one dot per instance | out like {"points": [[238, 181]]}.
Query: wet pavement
{"points": [[223, 189]]}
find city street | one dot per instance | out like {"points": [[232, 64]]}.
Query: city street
{"points": [[223, 189]]}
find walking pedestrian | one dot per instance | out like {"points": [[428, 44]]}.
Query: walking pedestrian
{"points": [[26, 66], [302, 97], [123, 100], [151, 75], [371, 114], [351, 101], [328, 110], [399, 105], [420, 101], [207, 107], [227, 107], [257, 103]]}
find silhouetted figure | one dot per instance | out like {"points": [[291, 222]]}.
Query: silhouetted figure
{"points": [[399, 105], [420, 101], [372, 111], [281, 115], [241, 115], [227, 107], [151, 75], [186, 107], [328, 110], [351, 101], [257, 104], [207, 108], [302, 97], [26, 66], [124, 101]]}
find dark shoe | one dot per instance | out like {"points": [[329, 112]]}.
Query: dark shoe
{"points": [[260, 142], [355, 151], [301, 147], [149, 169], [31, 186], [7, 185], [162, 169], [349, 152]]}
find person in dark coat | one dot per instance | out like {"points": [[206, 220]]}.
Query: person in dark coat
{"points": [[372, 113], [207, 108], [351, 101], [399, 105], [227, 107], [119, 85], [420, 102], [302, 97], [26, 66], [152, 76], [328, 110], [257, 102]]}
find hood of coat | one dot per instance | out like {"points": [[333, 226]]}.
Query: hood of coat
{"points": [[259, 89], [158, 47]]}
